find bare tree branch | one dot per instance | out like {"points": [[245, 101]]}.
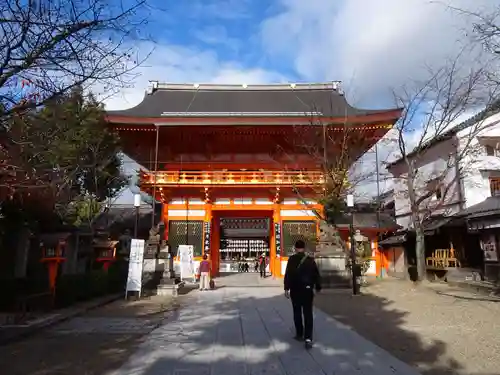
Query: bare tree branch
{"points": [[435, 111], [49, 47]]}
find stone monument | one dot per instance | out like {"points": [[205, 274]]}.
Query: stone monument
{"points": [[152, 244], [331, 258]]}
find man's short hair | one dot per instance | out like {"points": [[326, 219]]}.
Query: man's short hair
{"points": [[299, 244]]}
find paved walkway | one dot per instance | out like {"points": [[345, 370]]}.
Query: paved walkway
{"points": [[247, 279], [248, 331]]}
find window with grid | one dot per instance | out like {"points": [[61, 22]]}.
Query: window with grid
{"points": [[495, 186], [298, 230], [177, 235]]}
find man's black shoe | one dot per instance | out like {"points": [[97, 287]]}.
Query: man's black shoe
{"points": [[308, 344], [298, 338]]}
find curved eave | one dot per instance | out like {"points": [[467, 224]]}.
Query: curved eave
{"points": [[379, 116]]}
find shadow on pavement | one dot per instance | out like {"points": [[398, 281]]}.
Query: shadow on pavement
{"points": [[376, 319], [228, 337], [91, 344], [233, 332], [229, 331]]}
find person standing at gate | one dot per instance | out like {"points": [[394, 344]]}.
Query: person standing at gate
{"points": [[204, 273], [262, 265], [302, 278]]}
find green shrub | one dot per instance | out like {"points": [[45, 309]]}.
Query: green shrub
{"points": [[72, 289], [13, 289]]}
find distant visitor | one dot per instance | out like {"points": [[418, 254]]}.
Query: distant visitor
{"points": [[204, 273]]}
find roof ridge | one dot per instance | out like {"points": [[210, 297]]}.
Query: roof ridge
{"points": [[491, 109], [333, 85]]}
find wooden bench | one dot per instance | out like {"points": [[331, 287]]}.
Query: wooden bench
{"points": [[443, 258]]}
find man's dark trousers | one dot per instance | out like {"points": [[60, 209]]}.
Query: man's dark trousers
{"points": [[302, 303]]}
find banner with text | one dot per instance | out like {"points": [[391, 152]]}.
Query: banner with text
{"points": [[186, 254], [135, 264]]}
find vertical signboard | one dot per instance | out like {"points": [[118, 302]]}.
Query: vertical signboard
{"points": [[206, 242], [135, 264], [488, 244], [277, 235], [186, 254]]}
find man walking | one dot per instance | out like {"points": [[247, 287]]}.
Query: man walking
{"points": [[301, 279]]}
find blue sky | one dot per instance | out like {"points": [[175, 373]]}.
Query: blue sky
{"points": [[373, 46]]}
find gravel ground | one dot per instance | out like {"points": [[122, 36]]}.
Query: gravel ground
{"points": [[94, 343], [436, 328]]}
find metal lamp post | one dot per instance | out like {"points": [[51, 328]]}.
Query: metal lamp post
{"points": [[137, 205], [350, 205]]}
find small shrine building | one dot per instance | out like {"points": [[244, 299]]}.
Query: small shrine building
{"points": [[226, 162]]}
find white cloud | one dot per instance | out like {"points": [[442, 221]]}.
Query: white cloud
{"points": [[177, 64], [372, 46], [217, 35]]}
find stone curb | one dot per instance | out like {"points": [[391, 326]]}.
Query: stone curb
{"points": [[20, 332], [478, 288]]}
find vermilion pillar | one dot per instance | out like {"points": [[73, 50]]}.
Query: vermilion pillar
{"points": [[164, 218], [214, 246]]}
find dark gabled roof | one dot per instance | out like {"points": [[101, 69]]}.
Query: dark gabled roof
{"points": [[210, 100], [368, 220], [490, 206], [120, 217], [395, 239], [434, 223], [490, 110]]}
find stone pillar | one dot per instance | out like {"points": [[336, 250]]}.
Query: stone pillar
{"points": [[330, 258], [166, 253]]}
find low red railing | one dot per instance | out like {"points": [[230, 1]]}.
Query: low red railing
{"points": [[233, 178]]}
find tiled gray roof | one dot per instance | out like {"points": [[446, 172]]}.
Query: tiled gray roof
{"points": [[368, 220], [233, 100], [396, 239], [490, 110], [490, 206]]}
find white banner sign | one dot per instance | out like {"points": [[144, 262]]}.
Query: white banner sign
{"points": [[135, 264], [186, 254], [490, 249]]}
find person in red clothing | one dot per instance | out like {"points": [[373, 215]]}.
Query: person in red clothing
{"points": [[204, 273]]}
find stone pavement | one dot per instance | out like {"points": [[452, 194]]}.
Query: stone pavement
{"points": [[247, 279], [249, 331], [9, 333], [98, 341]]}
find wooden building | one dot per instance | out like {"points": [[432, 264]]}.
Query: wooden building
{"points": [[224, 161]]}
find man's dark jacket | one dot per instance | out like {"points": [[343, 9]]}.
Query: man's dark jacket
{"points": [[300, 276]]}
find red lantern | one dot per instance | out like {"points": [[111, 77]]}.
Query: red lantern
{"points": [[53, 255], [106, 253]]}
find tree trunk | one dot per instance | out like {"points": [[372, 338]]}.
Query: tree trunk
{"points": [[420, 254]]}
